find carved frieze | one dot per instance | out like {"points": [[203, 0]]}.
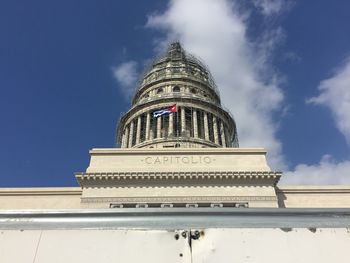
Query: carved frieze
{"points": [[115, 179], [177, 199]]}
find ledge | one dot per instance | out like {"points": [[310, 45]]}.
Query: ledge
{"points": [[312, 189], [173, 139], [173, 151], [93, 179], [39, 191]]}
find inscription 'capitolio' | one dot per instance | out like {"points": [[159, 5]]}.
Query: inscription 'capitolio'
{"points": [[178, 160]]}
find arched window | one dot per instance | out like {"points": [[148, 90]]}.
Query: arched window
{"points": [[160, 90], [176, 89], [193, 90]]}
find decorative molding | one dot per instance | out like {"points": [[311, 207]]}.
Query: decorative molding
{"points": [[176, 140], [178, 175], [106, 179], [157, 151], [314, 189], [58, 191], [177, 199]]}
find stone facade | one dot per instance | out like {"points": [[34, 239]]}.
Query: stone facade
{"points": [[40, 198], [185, 157], [301, 196], [203, 177]]}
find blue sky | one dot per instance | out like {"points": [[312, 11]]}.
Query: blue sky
{"points": [[67, 69]]}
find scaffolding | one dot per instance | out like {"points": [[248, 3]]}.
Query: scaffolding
{"points": [[176, 62], [192, 124]]}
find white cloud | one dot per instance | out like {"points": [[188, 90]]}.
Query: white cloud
{"points": [[216, 31], [335, 94], [126, 75], [328, 171]]}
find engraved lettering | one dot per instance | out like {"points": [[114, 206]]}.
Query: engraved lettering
{"points": [[207, 159], [185, 160], [193, 160], [178, 160]]}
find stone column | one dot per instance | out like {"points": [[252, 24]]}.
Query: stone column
{"points": [[206, 126], [159, 126], [183, 121], [215, 128], [125, 137], [195, 124], [123, 140], [151, 131], [148, 122], [171, 125], [222, 131], [138, 130], [131, 133]]}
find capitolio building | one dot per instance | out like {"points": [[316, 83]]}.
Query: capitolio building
{"points": [[177, 147], [177, 165]]}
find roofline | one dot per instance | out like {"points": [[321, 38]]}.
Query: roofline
{"points": [[39, 191]]}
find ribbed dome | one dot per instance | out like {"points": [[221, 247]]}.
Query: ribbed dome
{"points": [[177, 80], [177, 63]]}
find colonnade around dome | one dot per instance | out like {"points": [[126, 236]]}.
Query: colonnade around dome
{"points": [[186, 125]]}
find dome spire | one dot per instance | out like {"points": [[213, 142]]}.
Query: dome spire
{"points": [[175, 51]]}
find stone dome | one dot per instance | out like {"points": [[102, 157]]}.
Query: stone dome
{"points": [[180, 79], [175, 64]]}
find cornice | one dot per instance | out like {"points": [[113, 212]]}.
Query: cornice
{"points": [[115, 178], [45, 191], [178, 96], [175, 151], [177, 199], [176, 140], [314, 189]]}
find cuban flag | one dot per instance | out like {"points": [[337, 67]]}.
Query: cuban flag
{"points": [[165, 111]]}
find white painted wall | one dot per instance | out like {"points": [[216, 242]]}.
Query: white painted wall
{"points": [[214, 245], [273, 245]]}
